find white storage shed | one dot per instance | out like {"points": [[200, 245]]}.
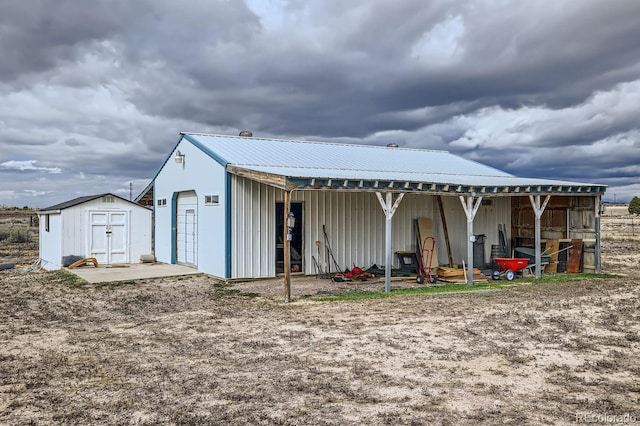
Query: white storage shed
{"points": [[221, 204], [107, 227]]}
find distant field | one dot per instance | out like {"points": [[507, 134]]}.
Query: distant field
{"points": [[18, 236], [618, 224]]}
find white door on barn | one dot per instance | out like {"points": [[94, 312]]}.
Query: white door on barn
{"points": [[187, 229], [108, 241]]}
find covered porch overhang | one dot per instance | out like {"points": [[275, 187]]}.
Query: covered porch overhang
{"points": [[470, 196], [289, 183]]}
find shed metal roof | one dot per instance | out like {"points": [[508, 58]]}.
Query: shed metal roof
{"points": [[80, 200], [295, 164]]}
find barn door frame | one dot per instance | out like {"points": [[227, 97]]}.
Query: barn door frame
{"points": [[185, 221]]}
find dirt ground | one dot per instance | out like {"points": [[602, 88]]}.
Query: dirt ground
{"points": [[193, 351]]}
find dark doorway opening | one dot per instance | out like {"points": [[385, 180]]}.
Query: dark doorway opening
{"points": [[296, 239]]}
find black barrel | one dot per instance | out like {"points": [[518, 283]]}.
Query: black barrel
{"points": [[496, 251], [478, 251]]}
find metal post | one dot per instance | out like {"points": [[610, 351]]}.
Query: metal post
{"points": [[598, 212], [388, 257], [389, 208], [537, 242], [470, 210], [470, 241], [287, 248], [538, 210]]}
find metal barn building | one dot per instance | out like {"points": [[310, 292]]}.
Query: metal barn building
{"points": [[104, 226], [221, 203]]}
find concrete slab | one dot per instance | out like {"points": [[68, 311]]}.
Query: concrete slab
{"points": [[134, 271]]}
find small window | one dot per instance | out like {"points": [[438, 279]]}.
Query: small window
{"points": [[46, 222], [162, 202], [211, 200], [108, 199]]}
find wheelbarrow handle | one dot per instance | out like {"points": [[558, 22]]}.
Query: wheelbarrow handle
{"points": [[556, 252]]}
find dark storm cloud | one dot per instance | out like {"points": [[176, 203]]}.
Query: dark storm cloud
{"points": [[39, 35], [101, 89], [525, 55]]}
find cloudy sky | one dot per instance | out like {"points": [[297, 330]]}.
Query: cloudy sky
{"points": [[96, 92]]}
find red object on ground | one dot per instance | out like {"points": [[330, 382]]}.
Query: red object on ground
{"points": [[514, 264]]}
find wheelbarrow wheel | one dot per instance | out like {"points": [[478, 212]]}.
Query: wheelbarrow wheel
{"points": [[510, 275], [420, 279], [433, 278], [495, 275]]}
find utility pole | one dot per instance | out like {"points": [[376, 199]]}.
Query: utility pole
{"points": [[130, 191]]}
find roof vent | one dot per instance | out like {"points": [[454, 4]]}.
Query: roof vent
{"points": [[246, 133], [392, 145]]}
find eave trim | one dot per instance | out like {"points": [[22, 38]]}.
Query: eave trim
{"points": [[364, 185]]}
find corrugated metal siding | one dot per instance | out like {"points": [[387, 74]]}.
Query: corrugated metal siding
{"points": [[253, 229], [486, 222], [355, 225]]}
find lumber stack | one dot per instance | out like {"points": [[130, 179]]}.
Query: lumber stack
{"points": [[456, 275]]}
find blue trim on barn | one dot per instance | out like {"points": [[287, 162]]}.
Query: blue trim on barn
{"points": [[174, 228], [153, 219], [206, 150], [227, 226]]}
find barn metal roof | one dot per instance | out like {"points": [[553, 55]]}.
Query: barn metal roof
{"points": [[295, 164]]}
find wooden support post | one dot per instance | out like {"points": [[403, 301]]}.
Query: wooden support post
{"points": [[287, 248], [445, 230]]}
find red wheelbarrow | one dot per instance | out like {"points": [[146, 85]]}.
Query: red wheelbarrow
{"points": [[508, 267]]}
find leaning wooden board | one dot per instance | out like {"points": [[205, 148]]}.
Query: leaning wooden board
{"points": [[589, 255], [575, 253], [552, 248], [425, 229]]}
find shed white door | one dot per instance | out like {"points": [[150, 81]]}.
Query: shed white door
{"points": [[187, 228], [108, 241]]}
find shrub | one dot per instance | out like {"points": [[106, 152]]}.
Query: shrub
{"points": [[634, 206], [4, 235], [19, 237]]}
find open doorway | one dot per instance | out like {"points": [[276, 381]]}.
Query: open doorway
{"points": [[296, 239]]}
